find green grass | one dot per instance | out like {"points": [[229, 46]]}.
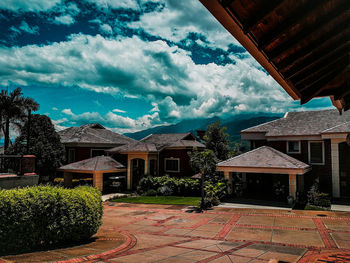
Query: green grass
{"points": [[163, 200]]}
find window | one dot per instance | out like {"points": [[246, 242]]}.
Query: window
{"points": [[172, 164], [293, 146], [97, 152], [316, 153], [71, 155]]}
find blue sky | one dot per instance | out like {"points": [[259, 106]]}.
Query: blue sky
{"points": [[131, 64]]}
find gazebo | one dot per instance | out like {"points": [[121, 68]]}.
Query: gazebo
{"points": [[266, 160], [96, 166]]}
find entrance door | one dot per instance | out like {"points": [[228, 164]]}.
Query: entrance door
{"points": [[344, 170], [138, 170]]}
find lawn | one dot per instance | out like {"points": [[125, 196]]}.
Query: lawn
{"points": [[163, 200]]}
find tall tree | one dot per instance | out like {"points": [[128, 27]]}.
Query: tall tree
{"points": [[217, 140], [48, 148], [14, 108]]}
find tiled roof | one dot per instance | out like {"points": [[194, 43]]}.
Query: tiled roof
{"points": [[264, 157], [98, 163], [157, 142], [137, 147], [302, 123], [94, 134], [341, 128]]}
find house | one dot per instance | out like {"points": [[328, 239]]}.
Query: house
{"points": [[157, 154], [90, 140], [290, 145]]}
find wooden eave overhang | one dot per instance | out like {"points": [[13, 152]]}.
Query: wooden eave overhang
{"points": [[92, 171], [304, 45]]}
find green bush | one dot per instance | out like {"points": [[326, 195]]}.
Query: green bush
{"points": [[166, 184], [45, 216], [213, 194], [151, 192]]}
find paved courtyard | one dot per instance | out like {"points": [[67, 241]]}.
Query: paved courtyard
{"points": [[157, 233]]}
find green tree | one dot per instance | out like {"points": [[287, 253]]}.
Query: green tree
{"points": [[14, 109], [48, 149], [217, 140]]}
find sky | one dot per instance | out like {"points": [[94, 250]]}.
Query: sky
{"points": [[131, 64]]}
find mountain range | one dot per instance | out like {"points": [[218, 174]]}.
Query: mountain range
{"points": [[234, 125]]}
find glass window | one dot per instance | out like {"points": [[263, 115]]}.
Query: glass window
{"points": [[316, 152], [172, 165], [293, 146], [71, 155]]}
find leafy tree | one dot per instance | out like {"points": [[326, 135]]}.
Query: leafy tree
{"points": [[204, 162], [217, 140], [14, 109], [47, 148]]}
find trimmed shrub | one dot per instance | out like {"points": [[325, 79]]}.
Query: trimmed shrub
{"points": [[166, 184], [45, 216]]}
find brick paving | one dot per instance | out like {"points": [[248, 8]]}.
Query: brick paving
{"points": [[157, 233]]}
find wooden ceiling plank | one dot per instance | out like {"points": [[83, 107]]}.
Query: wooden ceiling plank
{"points": [[323, 61], [313, 54], [257, 17], [290, 21], [320, 85], [319, 26]]}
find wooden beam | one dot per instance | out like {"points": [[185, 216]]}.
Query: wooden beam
{"points": [[297, 64], [295, 17], [319, 85], [326, 31], [269, 6], [320, 66]]}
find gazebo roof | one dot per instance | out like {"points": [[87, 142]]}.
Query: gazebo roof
{"points": [[98, 163], [264, 160]]}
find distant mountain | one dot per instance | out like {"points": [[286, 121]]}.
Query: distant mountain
{"points": [[234, 125], [183, 126]]}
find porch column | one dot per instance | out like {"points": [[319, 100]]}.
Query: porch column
{"points": [[98, 180], [68, 177], [129, 173], [146, 165], [228, 177], [335, 168], [292, 185]]}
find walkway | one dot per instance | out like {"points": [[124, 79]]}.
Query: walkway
{"points": [[157, 233]]}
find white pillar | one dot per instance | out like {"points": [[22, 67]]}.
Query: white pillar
{"points": [[292, 185], [335, 168], [129, 173]]}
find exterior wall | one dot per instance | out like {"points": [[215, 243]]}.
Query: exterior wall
{"points": [[82, 153], [323, 172], [182, 154]]}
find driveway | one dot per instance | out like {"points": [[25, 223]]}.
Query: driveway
{"points": [[157, 233]]}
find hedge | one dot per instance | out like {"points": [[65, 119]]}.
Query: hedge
{"points": [[166, 185], [44, 216]]}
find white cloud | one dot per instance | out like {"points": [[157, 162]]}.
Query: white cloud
{"points": [[118, 110], [107, 29], [110, 120], [54, 108], [164, 75], [64, 19], [116, 4], [28, 5], [24, 27]]}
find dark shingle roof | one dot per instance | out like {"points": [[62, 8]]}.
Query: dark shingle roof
{"points": [[94, 134], [264, 157], [98, 163], [137, 147], [302, 123], [157, 142]]}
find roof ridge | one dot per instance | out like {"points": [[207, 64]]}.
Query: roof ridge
{"points": [[233, 157], [335, 126], [262, 124]]}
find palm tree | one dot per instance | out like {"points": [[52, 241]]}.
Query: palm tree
{"points": [[14, 108]]}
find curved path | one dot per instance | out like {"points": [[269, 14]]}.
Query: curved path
{"points": [[156, 233]]}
